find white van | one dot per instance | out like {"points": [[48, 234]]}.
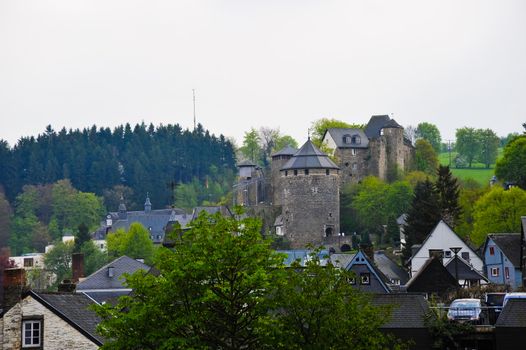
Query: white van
{"points": [[514, 295]]}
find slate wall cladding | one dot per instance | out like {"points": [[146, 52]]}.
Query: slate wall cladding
{"points": [[58, 334], [311, 203]]}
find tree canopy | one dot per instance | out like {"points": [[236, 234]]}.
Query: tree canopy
{"points": [[430, 133], [426, 159], [135, 243], [448, 192], [512, 165], [319, 127]]}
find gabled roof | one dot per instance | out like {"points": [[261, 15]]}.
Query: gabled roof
{"points": [[389, 268], [408, 310], [337, 135], [99, 280], [288, 150], [361, 259], [377, 123], [464, 270], [341, 260], [246, 163], [432, 277], [74, 309], [509, 244], [513, 315], [309, 157]]}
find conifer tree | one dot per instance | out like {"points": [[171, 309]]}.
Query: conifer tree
{"points": [[422, 217], [448, 192]]}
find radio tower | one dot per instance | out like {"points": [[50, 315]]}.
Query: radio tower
{"points": [[193, 92]]}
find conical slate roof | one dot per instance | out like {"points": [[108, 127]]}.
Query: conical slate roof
{"points": [[288, 150], [245, 163], [309, 157]]}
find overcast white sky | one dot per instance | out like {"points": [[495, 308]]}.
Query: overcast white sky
{"points": [[275, 63]]}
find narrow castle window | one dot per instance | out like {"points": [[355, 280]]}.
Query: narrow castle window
{"points": [[353, 151], [327, 171], [354, 166], [286, 173], [295, 172], [306, 171]]}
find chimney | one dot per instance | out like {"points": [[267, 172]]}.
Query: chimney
{"points": [[368, 250], [67, 286], [14, 285], [78, 266]]}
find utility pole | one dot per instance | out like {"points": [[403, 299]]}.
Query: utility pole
{"points": [[449, 150]]}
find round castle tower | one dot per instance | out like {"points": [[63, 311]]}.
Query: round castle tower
{"points": [[310, 195], [279, 159]]}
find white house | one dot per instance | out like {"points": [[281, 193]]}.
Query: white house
{"points": [[439, 243]]}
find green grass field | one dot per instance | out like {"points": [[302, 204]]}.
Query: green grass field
{"points": [[478, 172]]}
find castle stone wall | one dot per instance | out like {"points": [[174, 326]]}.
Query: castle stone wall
{"points": [[311, 204]]}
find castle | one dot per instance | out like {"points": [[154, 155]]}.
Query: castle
{"points": [[302, 188]]}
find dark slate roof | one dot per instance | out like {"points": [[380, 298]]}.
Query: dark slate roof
{"points": [[432, 278], [110, 297], [309, 157], [341, 260], [510, 244], [361, 258], [389, 268], [513, 315], [246, 163], [378, 122], [285, 151], [337, 135], [74, 309], [408, 310], [465, 271], [100, 279]]}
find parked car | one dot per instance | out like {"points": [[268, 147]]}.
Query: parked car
{"points": [[515, 295], [465, 310]]}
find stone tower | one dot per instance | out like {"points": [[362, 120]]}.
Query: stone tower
{"points": [[279, 159], [310, 187]]}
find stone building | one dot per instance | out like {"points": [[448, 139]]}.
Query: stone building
{"points": [[302, 187], [380, 149]]}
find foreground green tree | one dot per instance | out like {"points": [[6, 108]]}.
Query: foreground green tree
{"points": [[322, 310], [58, 261], [512, 165], [497, 211], [426, 159], [212, 292]]}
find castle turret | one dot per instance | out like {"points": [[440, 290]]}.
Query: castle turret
{"points": [[123, 213], [279, 159], [147, 204], [310, 197]]}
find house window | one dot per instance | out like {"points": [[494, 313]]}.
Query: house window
{"points": [[354, 166], [465, 255], [437, 253], [356, 140], [365, 278], [447, 253], [306, 171], [327, 171], [31, 333], [279, 231], [507, 272], [494, 271], [351, 280], [28, 262], [491, 250], [286, 173], [295, 172], [353, 151], [347, 139], [329, 230]]}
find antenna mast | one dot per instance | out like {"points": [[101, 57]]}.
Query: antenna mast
{"points": [[193, 92]]}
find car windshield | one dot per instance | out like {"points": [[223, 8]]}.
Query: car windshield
{"points": [[464, 304], [495, 299]]}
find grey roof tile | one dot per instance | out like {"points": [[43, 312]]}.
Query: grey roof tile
{"points": [[285, 151], [74, 309], [464, 270], [408, 310], [378, 122], [309, 157], [510, 244], [338, 134], [389, 268], [513, 315], [100, 279]]}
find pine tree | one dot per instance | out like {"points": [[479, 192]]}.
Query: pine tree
{"points": [[422, 217], [448, 192]]}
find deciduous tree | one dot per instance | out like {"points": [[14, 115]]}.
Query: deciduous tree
{"points": [[135, 243], [467, 144], [429, 132], [512, 165], [489, 147], [426, 159]]}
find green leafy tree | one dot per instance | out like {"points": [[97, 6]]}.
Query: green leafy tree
{"points": [[489, 142], [470, 193], [58, 261], [426, 159], [212, 292], [448, 192], [468, 144], [250, 148], [94, 258], [322, 310], [497, 211], [5, 220], [422, 217], [81, 237], [319, 127], [512, 165], [284, 140], [429, 132], [135, 243]]}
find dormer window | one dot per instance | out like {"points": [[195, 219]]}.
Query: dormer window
{"points": [[347, 139], [356, 140]]}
